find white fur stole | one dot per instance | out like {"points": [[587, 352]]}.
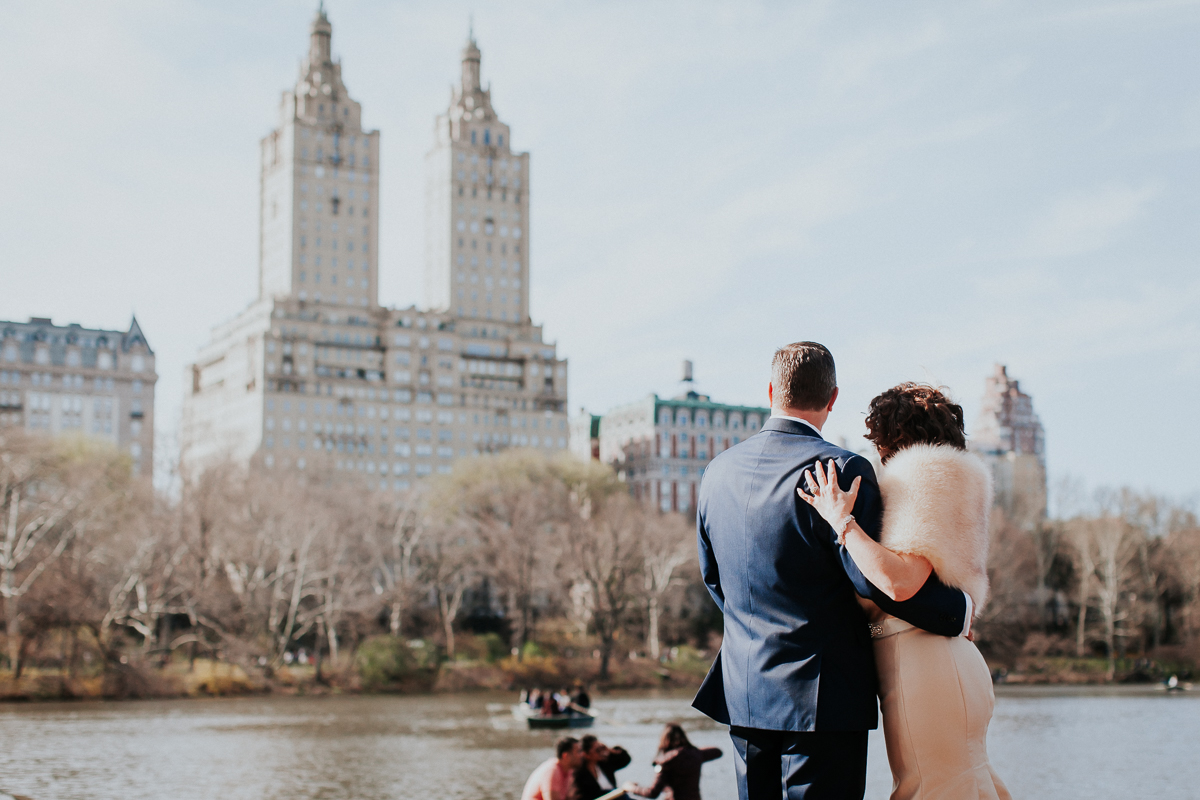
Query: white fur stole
{"points": [[936, 503]]}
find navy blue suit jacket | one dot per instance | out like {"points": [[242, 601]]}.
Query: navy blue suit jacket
{"points": [[797, 653]]}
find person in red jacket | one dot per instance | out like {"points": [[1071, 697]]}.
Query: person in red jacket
{"points": [[677, 767]]}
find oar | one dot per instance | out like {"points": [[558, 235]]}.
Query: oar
{"points": [[588, 712]]}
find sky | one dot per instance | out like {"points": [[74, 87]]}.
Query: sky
{"points": [[928, 188]]}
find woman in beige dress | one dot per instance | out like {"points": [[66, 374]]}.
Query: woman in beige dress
{"points": [[935, 692]]}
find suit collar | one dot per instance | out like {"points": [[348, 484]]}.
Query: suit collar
{"points": [[791, 426]]}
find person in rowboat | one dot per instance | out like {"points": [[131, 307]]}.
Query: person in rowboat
{"points": [[554, 779], [598, 774], [676, 767]]}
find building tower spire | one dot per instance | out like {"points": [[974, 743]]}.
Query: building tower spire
{"points": [[470, 64], [319, 50]]}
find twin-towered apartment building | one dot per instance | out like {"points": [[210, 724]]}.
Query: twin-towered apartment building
{"points": [[315, 374]]}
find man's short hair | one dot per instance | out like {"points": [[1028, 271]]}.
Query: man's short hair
{"points": [[803, 376], [588, 742], [565, 745]]}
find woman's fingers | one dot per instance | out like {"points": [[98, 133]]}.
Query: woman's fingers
{"points": [[821, 476], [812, 501], [812, 484]]}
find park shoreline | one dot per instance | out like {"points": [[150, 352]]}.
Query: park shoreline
{"points": [[209, 678]]}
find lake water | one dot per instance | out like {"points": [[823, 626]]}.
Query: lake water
{"points": [[1059, 744]]}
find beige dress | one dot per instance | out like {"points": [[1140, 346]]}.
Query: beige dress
{"points": [[936, 696], [935, 691]]}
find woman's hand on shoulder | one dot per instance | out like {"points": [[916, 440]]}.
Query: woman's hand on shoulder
{"points": [[827, 497]]}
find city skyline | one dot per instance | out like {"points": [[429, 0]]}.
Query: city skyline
{"points": [[952, 188]]}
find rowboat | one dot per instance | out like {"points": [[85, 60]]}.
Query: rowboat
{"points": [[576, 717], [559, 721]]}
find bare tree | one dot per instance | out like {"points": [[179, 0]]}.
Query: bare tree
{"points": [[514, 505], [146, 560], [1080, 533], [396, 543], [50, 493], [449, 562], [1150, 517], [1106, 549], [1180, 558], [605, 538], [669, 543], [1116, 545]]}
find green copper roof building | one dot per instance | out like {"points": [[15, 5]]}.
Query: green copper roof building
{"points": [[660, 446]]}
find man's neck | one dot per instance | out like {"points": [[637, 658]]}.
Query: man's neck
{"points": [[813, 418]]}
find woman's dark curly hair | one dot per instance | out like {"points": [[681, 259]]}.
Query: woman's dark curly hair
{"points": [[914, 413]]}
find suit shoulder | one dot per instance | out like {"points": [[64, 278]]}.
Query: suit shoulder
{"points": [[856, 465], [743, 449]]}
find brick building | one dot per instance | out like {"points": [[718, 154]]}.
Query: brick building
{"points": [[660, 446]]}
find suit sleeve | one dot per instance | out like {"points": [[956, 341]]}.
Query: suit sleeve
{"points": [[709, 571], [935, 607]]}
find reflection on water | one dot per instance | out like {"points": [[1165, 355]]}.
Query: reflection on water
{"points": [[1045, 744]]}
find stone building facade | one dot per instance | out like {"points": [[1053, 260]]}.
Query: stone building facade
{"points": [[476, 209], [315, 374], [1009, 436], [584, 435], [67, 379], [661, 446]]}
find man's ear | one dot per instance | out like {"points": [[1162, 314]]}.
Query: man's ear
{"points": [[832, 399], [770, 395]]}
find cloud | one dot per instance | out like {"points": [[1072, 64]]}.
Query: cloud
{"points": [[1087, 221]]}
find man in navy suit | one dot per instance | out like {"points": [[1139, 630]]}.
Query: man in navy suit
{"points": [[795, 678]]}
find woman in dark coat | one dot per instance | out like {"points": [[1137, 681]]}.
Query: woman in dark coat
{"points": [[677, 767], [598, 775]]}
